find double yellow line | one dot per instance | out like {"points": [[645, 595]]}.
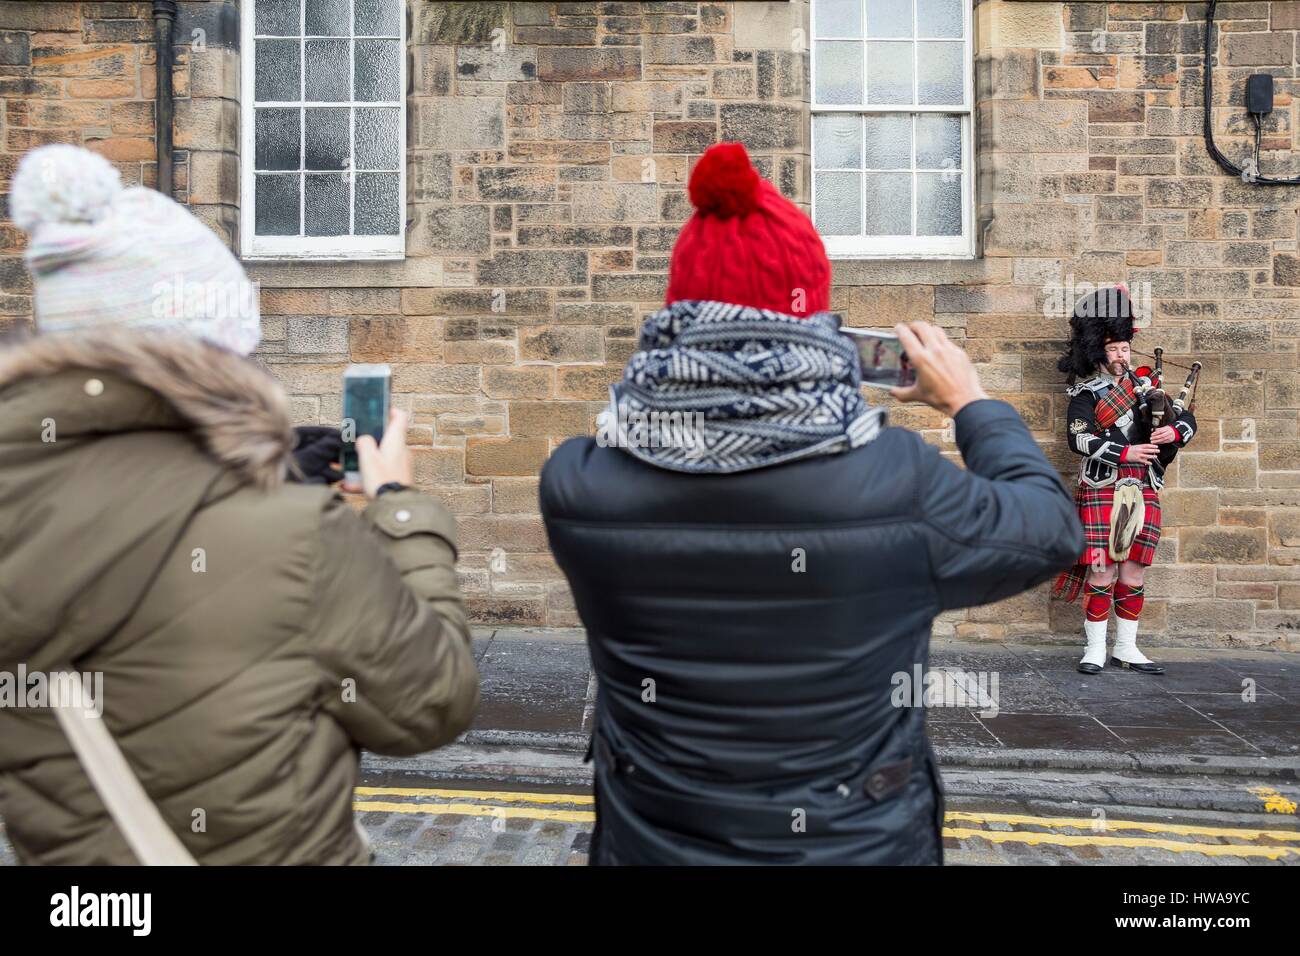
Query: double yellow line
{"points": [[963, 825], [1098, 833], [488, 803]]}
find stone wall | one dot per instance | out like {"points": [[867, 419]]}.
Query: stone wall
{"points": [[1093, 167], [547, 182], [71, 76], [549, 145]]}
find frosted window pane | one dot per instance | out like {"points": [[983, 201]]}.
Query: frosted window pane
{"points": [[327, 71], [889, 141], [938, 204], [326, 205], [889, 18], [277, 205], [837, 142], [938, 18], [378, 70], [276, 134], [327, 135], [942, 70], [377, 17], [279, 18], [889, 204], [889, 73], [839, 72], [377, 141], [327, 18], [839, 18], [278, 70], [938, 141], [838, 210], [378, 210]]}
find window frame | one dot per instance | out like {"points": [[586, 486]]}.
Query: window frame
{"points": [[902, 247], [337, 248]]}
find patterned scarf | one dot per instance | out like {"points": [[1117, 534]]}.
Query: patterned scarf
{"points": [[719, 388]]}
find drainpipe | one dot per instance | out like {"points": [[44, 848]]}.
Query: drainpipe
{"points": [[164, 16]]}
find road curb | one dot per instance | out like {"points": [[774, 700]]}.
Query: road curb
{"points": [[1286, 768], [1163, 764]]}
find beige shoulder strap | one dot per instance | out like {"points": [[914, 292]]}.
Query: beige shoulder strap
{"points": [[148, 835]]}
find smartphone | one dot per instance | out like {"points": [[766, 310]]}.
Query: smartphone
{"points": [[366, 397], [884, 363]]}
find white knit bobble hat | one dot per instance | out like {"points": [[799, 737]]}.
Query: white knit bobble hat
{"points": [[104, 255]]}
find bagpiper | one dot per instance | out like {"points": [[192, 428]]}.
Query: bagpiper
{"points": [[1128, 431]]}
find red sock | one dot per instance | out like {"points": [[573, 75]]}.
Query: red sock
{"points": [[1128, 601], [1097, 606]]}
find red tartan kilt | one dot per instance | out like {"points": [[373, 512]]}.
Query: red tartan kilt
{"points": [[1094, 506]]}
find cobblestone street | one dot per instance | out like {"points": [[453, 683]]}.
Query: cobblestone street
{"points": [[441, 839], [489, 837], [486, 836]]}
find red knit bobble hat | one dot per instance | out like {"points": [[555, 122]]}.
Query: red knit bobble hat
{"points": [[746, 243]]}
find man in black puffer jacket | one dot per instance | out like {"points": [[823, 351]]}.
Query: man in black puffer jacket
{"points": [[750, 600]]}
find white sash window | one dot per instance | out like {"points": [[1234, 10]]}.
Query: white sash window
{"points": [[324, 128], [891, 128]]}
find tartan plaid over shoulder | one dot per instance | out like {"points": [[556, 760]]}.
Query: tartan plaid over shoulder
{"points": [[1115, 403]]}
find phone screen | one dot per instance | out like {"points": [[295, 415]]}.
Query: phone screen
{"points": [[884, 363], [365, 409]]}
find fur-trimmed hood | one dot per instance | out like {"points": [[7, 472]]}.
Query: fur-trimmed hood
{"points": [[110, 441], [236, 412]]}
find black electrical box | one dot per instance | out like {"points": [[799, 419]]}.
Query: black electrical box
{"points": [[1259, 94]]}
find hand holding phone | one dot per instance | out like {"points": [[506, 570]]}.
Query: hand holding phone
{"points": [[881, 356], [366, 390], [946, 379], [385, 461], [374, 435]]}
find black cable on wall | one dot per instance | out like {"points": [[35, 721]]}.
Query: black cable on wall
{"points": [[1213, 150]]}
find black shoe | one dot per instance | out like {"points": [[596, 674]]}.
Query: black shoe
{"points": [[1140, 668], [1089, 668]]}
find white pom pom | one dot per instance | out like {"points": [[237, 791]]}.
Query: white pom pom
{"points": [[62, 183]]}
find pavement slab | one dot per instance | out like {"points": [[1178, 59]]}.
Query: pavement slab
{"points": [[1210, 703], [533, 685]]}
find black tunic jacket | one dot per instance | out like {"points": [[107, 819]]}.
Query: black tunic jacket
{"points": [[1103, 448], [748, 631]]}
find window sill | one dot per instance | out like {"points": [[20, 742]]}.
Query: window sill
{"points": [[285, 258], [902, 256], [296, 273]]}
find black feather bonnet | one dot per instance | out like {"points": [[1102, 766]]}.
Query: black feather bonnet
{"points": [[1102, 316]]}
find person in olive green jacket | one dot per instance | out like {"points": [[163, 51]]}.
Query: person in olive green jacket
{"points": [[252, 635]]}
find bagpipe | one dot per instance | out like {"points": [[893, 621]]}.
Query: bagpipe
{"points": [[1142, 391], [1152, 408]]}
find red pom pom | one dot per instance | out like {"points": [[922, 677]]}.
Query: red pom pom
{"points": [[724, 182]]}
